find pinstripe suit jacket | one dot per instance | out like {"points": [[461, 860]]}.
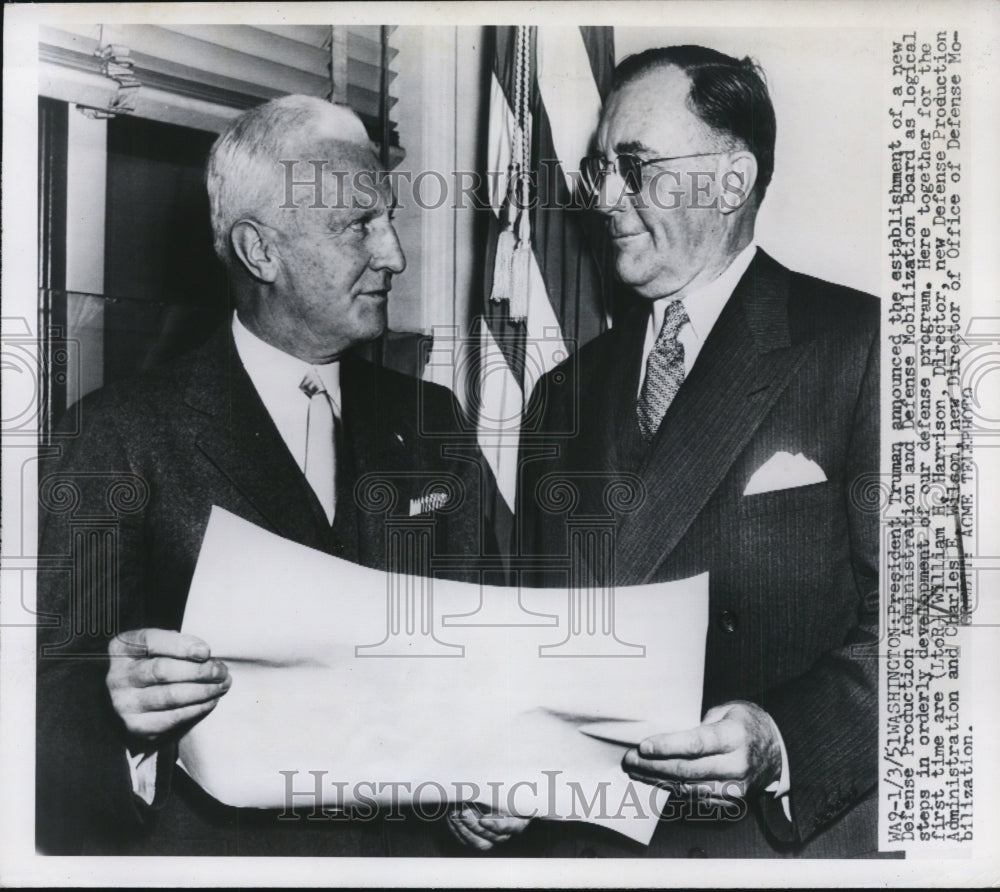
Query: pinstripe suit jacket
{"points": [[791, 365], [150, 460]]}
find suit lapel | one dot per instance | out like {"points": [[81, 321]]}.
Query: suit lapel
{"points": [[355, 527], [746, 362], [617, 386], [238, 436], [378, 440]]}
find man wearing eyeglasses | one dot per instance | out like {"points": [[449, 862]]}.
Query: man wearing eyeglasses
{"points": [[744, 398]]}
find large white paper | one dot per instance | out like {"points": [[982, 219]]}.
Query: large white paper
{"points": [[476, 694]]}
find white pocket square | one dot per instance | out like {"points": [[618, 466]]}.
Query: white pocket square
{"points": [[432, 501], [784, 471]]}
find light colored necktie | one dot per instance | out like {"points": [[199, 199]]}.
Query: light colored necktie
{"points": [[321, 463], [664, 371]]}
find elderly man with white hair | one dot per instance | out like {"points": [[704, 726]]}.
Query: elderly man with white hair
{"points": [[273, 420]]}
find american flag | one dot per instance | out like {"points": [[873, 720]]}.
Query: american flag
{"points": [[545, 293]]}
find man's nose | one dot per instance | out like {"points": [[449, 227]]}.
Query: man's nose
{"points": [[388, 254], [612, 194]]}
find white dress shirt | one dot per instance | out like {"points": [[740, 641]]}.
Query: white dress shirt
{"points": [[276, 376], [703, 307]]}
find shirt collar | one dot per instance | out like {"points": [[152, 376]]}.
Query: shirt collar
{"points": [[704, 305], [275, 374]]}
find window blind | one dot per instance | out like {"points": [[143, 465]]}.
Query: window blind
{"points": [[204, 75]]}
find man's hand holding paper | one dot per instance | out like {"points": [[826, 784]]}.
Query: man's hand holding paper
{"points": [[483, 830], [160, 681], [732, 752]]}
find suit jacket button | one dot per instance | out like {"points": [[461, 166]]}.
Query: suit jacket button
{"points": [[697, 852], [728, 621], [588, 853]]}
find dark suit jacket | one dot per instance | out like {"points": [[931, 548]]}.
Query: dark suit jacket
{"points": [[791, 365], [123, 510]]}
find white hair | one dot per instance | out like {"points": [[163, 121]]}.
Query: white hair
{"points": [[243, 176]]}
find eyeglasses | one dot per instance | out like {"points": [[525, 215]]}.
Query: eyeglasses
{"points": [[594, 168]]}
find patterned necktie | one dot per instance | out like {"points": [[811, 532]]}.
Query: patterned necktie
{"points": [[321, 464], [664, 371]]}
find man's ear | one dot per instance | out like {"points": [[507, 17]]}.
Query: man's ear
{"points": [[253, 244], [738, 182]]}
